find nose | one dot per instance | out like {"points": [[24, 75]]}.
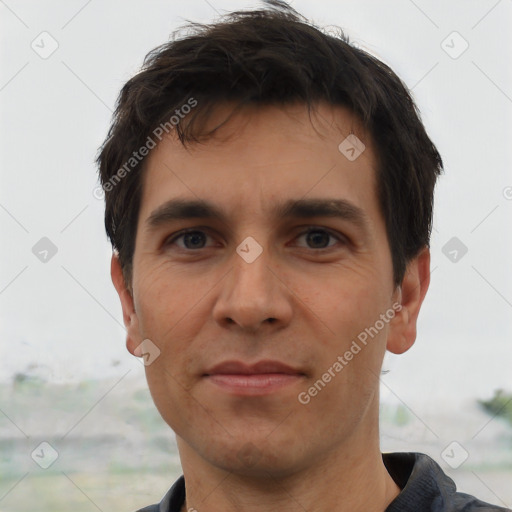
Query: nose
{"points": [[253, 295]]}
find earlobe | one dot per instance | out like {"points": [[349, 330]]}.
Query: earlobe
{"points": [[130, 318], [412, 291]]}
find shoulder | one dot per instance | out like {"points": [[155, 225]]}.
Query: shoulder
{"points": [[467, 503], [425, 487], [172, 501]]}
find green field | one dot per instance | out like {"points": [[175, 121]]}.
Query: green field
{"points": [[113, 452], [84, 492]]}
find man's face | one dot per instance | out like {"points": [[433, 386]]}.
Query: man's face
{"points": [[209, 298]]}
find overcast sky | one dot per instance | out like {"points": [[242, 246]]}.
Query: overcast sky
{"points": [[61, 318]]}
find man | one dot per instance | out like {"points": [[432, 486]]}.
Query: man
{"points": [[231, 154]]}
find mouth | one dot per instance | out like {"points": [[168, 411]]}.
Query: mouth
{"points": [[261, 378]]}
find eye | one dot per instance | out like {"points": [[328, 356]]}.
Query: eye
{"points": [[192, 239], [195, 239], [317, 238]]}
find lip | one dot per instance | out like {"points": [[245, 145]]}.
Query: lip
{"points": [[261, 367], [261, 378]]}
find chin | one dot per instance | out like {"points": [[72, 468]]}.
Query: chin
{"points": [[256, 458]]}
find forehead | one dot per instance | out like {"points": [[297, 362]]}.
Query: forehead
{"points": [[264, 156]]}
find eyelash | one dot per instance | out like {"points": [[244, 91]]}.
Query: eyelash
{"points": [[340, 238]]}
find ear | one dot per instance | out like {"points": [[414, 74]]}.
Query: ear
{"points": [[410, 295], [130, 318]]}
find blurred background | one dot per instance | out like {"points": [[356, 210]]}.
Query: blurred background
{"points": [[78, 429]]}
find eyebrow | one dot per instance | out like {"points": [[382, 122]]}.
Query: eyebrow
{"points": [[183, 209]]}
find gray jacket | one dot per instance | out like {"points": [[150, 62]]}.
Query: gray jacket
{"points": [[425, 488]]}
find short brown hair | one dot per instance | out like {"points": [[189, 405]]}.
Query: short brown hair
{"points": [[272, 56]]}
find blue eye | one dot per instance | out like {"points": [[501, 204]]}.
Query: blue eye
{"points": [[317, 236], [195, 239]]}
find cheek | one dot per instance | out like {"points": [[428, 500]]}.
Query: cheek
{"points": [[171, 395], [346, 301], [168, 315], [161, 301], [172, 313]]}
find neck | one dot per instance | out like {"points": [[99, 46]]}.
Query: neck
{"points": [[346, 479]]}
